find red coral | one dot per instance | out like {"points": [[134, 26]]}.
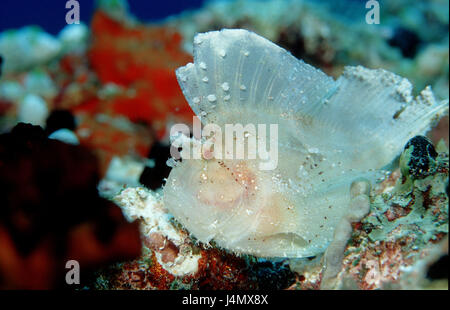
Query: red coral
{"points": [[379, 264], [216, 270], [397, 211], [51, 212], [140, 274], [142, 58], [109, 140], [159, 243], [222, 271]]}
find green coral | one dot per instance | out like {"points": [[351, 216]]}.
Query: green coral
{"points": [[419, 204]]}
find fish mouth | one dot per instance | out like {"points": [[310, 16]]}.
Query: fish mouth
{"points": [[287, 244], [289, 238]]}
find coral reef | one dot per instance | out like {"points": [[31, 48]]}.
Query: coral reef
{"points": [[15, 47], [172, 259], [105, 95], [405, 231], [115, 77]]}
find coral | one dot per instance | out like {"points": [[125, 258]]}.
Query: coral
{"points": [[160, 233], [50, 212], [40, 83], [217, 270], [74, 38], [142, 59], [33, 110], [65, 135], [112, 136], [422, 205], [172, 259], [222, 270], [27, 47], [404, 232], [112, 70]]}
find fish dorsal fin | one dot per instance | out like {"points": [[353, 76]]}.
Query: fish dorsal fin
{"points": [[374, 113], [238, 72]]}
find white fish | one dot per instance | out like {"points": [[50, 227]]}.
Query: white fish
{"points": [[330, 133]]}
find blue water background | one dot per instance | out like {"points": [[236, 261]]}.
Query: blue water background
{"points": [[50, 14]]}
